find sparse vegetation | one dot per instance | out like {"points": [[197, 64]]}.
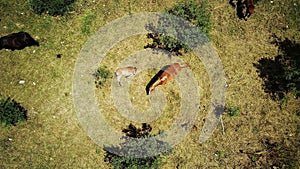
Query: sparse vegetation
{"points": [[293, 12], [280, 155], [11, 112], [87, 22]]}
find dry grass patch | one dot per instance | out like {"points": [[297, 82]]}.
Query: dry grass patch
{"points": [[262, 135]]}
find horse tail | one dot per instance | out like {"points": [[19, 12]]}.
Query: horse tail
{"points": [[185, 65]]}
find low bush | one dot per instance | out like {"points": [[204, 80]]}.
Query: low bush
{"points": [[232, 111], [52, 7], [101, 75], [11, 112], [130, 148], [196, 13]]}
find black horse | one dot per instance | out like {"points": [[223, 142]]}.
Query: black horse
{"points": [[17, 41]]}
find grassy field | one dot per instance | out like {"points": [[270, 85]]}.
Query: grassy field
{"points": [[263, 135]]}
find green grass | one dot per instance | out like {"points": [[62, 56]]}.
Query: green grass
{"points": [[87, 22], [52, 137]]}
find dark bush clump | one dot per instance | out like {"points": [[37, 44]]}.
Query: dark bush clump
{"points": [[289, 52], [101, 75], [52, 7], [11, 112], [282, 74], [145, 143]]}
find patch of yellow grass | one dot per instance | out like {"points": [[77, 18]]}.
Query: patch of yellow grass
{"points": [[53, 137]]}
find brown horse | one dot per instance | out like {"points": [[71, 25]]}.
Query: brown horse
{"points": [[249, 8], [164, 75]]}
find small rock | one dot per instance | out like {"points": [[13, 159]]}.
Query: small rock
{"points": [[21, 81]]}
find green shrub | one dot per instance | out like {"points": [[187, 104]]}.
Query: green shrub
{"points": [[219, 153], [101, 75], [290, 61], [52, 7], [197, 14], [232, 111], [11, 112], [131, 148]]}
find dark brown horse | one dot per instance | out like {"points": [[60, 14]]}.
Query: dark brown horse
{"points": [[241, 5], [249, 8], [17, 41]]}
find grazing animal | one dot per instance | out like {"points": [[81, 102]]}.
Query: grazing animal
{"points": [[126, 71], [17, 41], [164, 75], [249, 8]]}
